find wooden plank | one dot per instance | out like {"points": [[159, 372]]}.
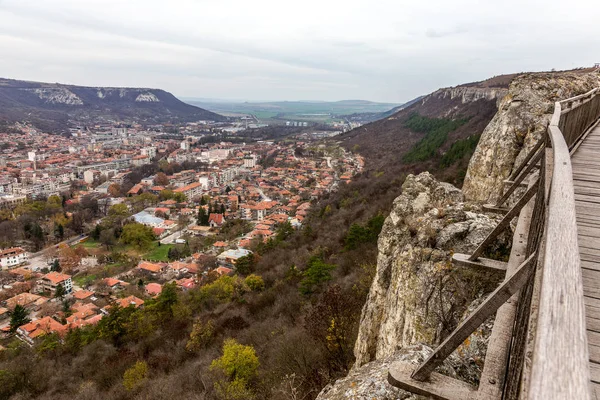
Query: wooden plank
{"points": [[489, 306], [592, 302], [590, 257], [592, 312], [594, 352], [486, 263], [590, 265], [560, 365], [495, 209], [591, 231], [593, 338], [587, 198], [594, 373], [588, 252], [595, 387], [591, 291], [592, 324], [439, 387]]}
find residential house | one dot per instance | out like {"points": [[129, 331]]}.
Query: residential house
{"points": [[115, 284], [229, 258], [216, 220], [153, 289], [130, 301], [30, 301], [186, 284], [38, 328], [12, 257], [190, 191], [84, 295], [51, 280], [150, 267]]}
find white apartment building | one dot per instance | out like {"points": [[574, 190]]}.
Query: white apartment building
{"points": [[12, 257]]}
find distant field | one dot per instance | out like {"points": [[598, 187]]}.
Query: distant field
{"points": [[278, 112]]}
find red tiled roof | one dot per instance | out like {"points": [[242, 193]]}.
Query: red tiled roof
{"points": [[56, 277]]}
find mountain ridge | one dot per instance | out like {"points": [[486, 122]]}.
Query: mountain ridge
{"points": [[52, 106]]}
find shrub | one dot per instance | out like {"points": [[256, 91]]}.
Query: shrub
{"points": [[317, 272], [135, 376], [255, 283]]}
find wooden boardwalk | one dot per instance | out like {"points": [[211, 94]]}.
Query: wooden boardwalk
{"points": [[586, 182]]}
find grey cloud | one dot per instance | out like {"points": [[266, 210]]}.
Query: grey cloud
{"points": [[388, 51]]}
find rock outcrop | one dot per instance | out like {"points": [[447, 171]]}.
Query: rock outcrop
{"points": [[523, 116], [418, 296]]}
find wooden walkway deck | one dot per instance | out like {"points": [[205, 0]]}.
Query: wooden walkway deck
{"points": [[586, 181]]}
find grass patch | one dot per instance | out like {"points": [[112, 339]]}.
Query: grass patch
{"points": [[158, 253], [89, 244], [84, 280]]}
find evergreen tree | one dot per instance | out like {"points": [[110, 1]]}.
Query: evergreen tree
{"points": [[223, 209], [55, 265], [60, 291], [59, 231], [19, 316], [201, 216], [96, 232]]}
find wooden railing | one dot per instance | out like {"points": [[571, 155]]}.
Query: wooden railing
{"points": [[545, 315], [560, 367]]}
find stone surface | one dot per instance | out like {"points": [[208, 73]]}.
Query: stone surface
{"points": [[418, 295], [523, 116]]}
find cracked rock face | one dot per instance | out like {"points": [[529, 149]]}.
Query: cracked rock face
{"points": [[522, 118], [418, 295]]}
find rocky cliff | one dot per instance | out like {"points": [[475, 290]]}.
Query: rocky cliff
{"points": [[523, 116]]}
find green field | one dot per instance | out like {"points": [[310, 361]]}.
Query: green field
{"points": [[281, 111], [158, 253], [90, 244]]}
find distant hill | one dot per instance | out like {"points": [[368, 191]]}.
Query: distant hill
{"points": [[50, 106], [435, 133]]}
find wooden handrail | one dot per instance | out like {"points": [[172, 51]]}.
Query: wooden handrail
{"points": [[560, 365]]}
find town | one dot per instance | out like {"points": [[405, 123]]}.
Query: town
{"points": [[110, 216]]}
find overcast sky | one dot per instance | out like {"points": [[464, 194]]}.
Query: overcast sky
{"points": [[376, 50]]}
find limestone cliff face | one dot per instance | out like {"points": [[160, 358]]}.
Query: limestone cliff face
{"points": [[523, 116], [467, 94], [417, 294]]}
